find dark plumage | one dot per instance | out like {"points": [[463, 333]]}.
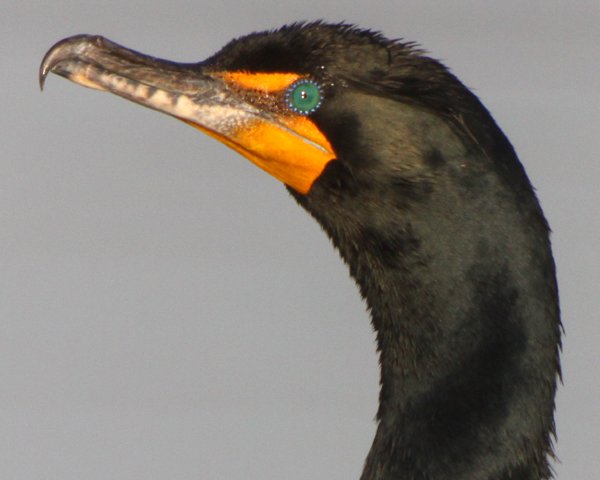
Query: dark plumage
{"points": [[431, 209]]}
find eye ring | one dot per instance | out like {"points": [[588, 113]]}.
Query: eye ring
{"points": [[304, 96]]}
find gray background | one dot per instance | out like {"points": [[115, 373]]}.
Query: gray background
{"points": [[167, 312]]}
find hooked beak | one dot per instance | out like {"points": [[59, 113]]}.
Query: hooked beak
{"points": [[291, 149]]}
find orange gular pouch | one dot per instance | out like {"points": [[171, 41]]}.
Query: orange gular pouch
{"points": [[294, 159]]}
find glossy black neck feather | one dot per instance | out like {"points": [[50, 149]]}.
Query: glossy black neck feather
{"points": [[456, 269]]}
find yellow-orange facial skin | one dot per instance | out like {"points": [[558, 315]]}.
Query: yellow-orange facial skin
{"points": [[288, 145], [264, 82]]}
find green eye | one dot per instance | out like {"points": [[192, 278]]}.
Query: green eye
{"points": [[304, 97]]}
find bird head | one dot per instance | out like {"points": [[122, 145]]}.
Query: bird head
{"points": [[303, 102]]}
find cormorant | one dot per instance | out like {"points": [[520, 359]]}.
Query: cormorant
{"points": [[427, 203]]}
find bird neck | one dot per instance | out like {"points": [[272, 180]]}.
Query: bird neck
{"points": [[462, 384], [467, 328]]}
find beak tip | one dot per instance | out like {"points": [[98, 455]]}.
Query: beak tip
{"points": [[49, 61], [42, 76], [62, 51]]}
